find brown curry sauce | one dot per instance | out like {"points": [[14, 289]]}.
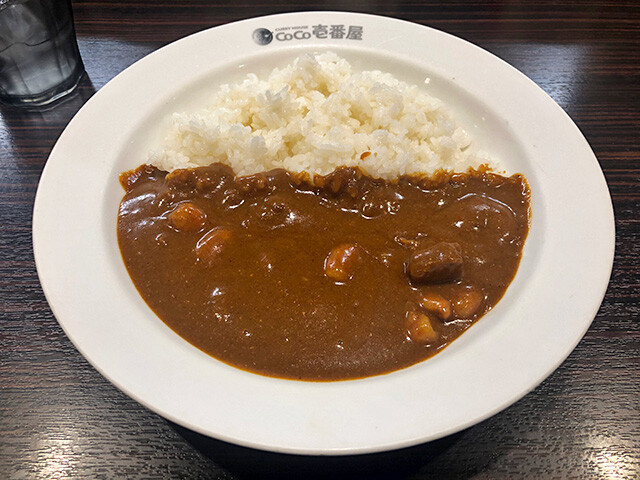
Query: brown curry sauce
{"points": [[321, 278]]}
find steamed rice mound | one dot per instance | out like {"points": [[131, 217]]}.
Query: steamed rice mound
{"points": [[317, 114]]}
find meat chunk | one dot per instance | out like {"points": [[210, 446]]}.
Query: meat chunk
{"points": [[184, 179], [342, 261], [442, 263], [251, 184], [144, 172], [380, 201], [278, 212], [342, 180]]}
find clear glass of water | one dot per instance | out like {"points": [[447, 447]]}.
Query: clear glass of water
{"points": [[39, 57]]}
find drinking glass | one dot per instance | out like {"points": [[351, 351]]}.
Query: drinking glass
{"points": [[39, 57]]}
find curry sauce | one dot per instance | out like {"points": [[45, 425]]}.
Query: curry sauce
{"points": [[321, 277]]}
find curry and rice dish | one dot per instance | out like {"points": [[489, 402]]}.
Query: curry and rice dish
{"points": [[348, 261]]}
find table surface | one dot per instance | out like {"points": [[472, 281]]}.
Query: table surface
{"points": [[60, 418]]}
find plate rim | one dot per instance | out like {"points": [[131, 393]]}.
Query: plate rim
{"points": [[380, 446]]}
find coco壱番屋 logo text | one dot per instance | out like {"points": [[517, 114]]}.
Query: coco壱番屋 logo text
{"points": [[264, 36]]}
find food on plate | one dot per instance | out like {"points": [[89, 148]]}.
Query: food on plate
{"points": [[315, 115], [321, 224], [293, 276]]}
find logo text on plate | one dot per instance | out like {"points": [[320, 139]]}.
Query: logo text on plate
{"points": [[263, 36]]}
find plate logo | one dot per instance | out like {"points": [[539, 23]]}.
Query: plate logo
{"points": [[264, 36]]}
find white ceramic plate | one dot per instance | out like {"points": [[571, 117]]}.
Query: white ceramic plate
{"points": [[561, 281]]}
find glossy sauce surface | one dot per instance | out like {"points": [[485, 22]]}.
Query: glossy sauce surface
{"points": [[323, 278]]}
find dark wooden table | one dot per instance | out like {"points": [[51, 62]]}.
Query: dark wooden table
{"points": [[59, 418]]}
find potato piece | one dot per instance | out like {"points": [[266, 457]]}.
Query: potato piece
{"points": [[342, 261], [421, 328], [186, 217], [436, 304], [212, 244], [467, 303]]}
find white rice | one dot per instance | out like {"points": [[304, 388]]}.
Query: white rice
{"points": [[314, 115]]}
